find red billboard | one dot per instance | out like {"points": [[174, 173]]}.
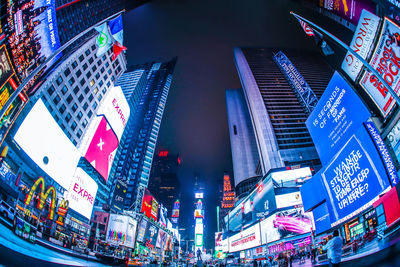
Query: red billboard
{"points": [[149, 205]]}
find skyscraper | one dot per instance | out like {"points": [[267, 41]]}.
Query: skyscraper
{"points": [[73, 17], [135, 156], [245, 156], [277, 115], [164, 183]]}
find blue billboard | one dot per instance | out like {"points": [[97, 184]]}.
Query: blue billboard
{"points": [[354, 178], [338, 114], [321, 218]]}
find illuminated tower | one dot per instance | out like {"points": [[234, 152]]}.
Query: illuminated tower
{"points": [[228, 200]]}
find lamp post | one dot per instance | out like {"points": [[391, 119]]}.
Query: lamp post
{"points": [[347, 48]]}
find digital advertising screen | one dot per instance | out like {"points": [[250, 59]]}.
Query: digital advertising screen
{"points": [[154, 209], [161, 239], [121, 230], [198, 240], [285, 224], [355, 177], [199, 213], [321, 218], [142, 230], [288, 200], [82, 193], [117, 202], [163, 213], [31, 24], [151, 235], [198, 195], [248, 238], [149, 205], [291, 175], [362, 43], [40, 137], [338, 114], [385, 54]]}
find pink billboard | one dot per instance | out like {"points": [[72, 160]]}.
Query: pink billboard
{"points": [[102, 148]]}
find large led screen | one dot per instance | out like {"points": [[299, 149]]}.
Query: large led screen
{"points": [[40, 137], [82, 193], [121, 230], [338, 114], [151, 235], [149, 205], [32, 33], [385, 61], [285, 224], [142, 230], [248, 238], [161, 239]]}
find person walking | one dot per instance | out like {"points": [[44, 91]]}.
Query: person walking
{"points": [[334, 248], [198, 254]]}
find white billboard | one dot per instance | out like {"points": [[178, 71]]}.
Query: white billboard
{"points": [[82, 193], [40, 137], [386, 62], [362, 42], [198, 195], [288, 200], [291, 175], [121, 230], [248, 238], [116, 109]]}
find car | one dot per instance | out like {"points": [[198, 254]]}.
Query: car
{"points": [[6, 210]]}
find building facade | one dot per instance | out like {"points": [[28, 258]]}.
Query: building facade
{"points": [[277, 115], [135, 158]]}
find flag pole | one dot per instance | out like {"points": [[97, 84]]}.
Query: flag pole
{"points": [[346, 47], [51, 57]]}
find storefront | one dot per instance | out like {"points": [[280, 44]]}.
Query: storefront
{"points": [[370, 220], [354, 229], [79, 233]]}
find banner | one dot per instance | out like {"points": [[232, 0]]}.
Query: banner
{"points": [[32, 33], [248, 238], [386, 61], [362, 42], [338, 114]]}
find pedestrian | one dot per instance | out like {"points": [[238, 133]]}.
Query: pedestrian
{"points": [[313, 255], [282, 260], [290, 259], [198, 254], [255, 263], [334, 248]]}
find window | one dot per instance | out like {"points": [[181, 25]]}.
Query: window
{"points": [[90, 98], [76, 90], [62, 109], [102, 70], [97, 76], [67, 72], [99, 97], [74, 107], [71, 81], [80, 98], [74, 65], [82, 82], [93, 47], [91, 60], [50, 91], [85, 106], [112, 78], [87, 52], [56, 99], [84, 123], [105, 77], [79, 133], [104, 90], [79, 115], [86, 90], [68, 117], [96, 90], [78, 73], [64, 90], [101, 83], [88, 75], [104, 57], [94, 68], [107, 64], [234, 130], [73, 125], [74, 142], [59, 80], [85, 66], [108, 84], [109, 71], [94, 106], [81, 58], [91, 82], [90, 113], [99, 62]]}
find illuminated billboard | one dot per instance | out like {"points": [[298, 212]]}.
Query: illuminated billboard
{"points": [[175, 210], [102, 137], [291, 175], [117, 202], [286, 224], [161, 239], [199, 213], [40, 137], [248, 238], [349, 10], [82, 193], [288, 200], [198, 240], [385, 61], [336, 117], [151, 235], [121, 230], [32, 33], [142, 230], [198, 195], [218, 241], [163, 213], [149, 205], [362, 42]]}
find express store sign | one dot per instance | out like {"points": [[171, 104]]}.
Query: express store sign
{"points": [[248, 238]]}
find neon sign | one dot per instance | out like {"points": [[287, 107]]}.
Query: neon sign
{"points": [[43, 197]]}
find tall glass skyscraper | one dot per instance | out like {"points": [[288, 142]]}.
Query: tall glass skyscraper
{"points": [[146, 88], [277, 115]]}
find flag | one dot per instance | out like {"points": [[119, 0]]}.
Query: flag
{"points": [[117, 49], [116, 29], [104, 39], [307, 29]]}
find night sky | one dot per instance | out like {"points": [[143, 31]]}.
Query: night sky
{"points": [[203, 33]]}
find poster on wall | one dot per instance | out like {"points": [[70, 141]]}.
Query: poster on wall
{"points": [[386, 61], [287, 223], [349, 10], [32, 33]]}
